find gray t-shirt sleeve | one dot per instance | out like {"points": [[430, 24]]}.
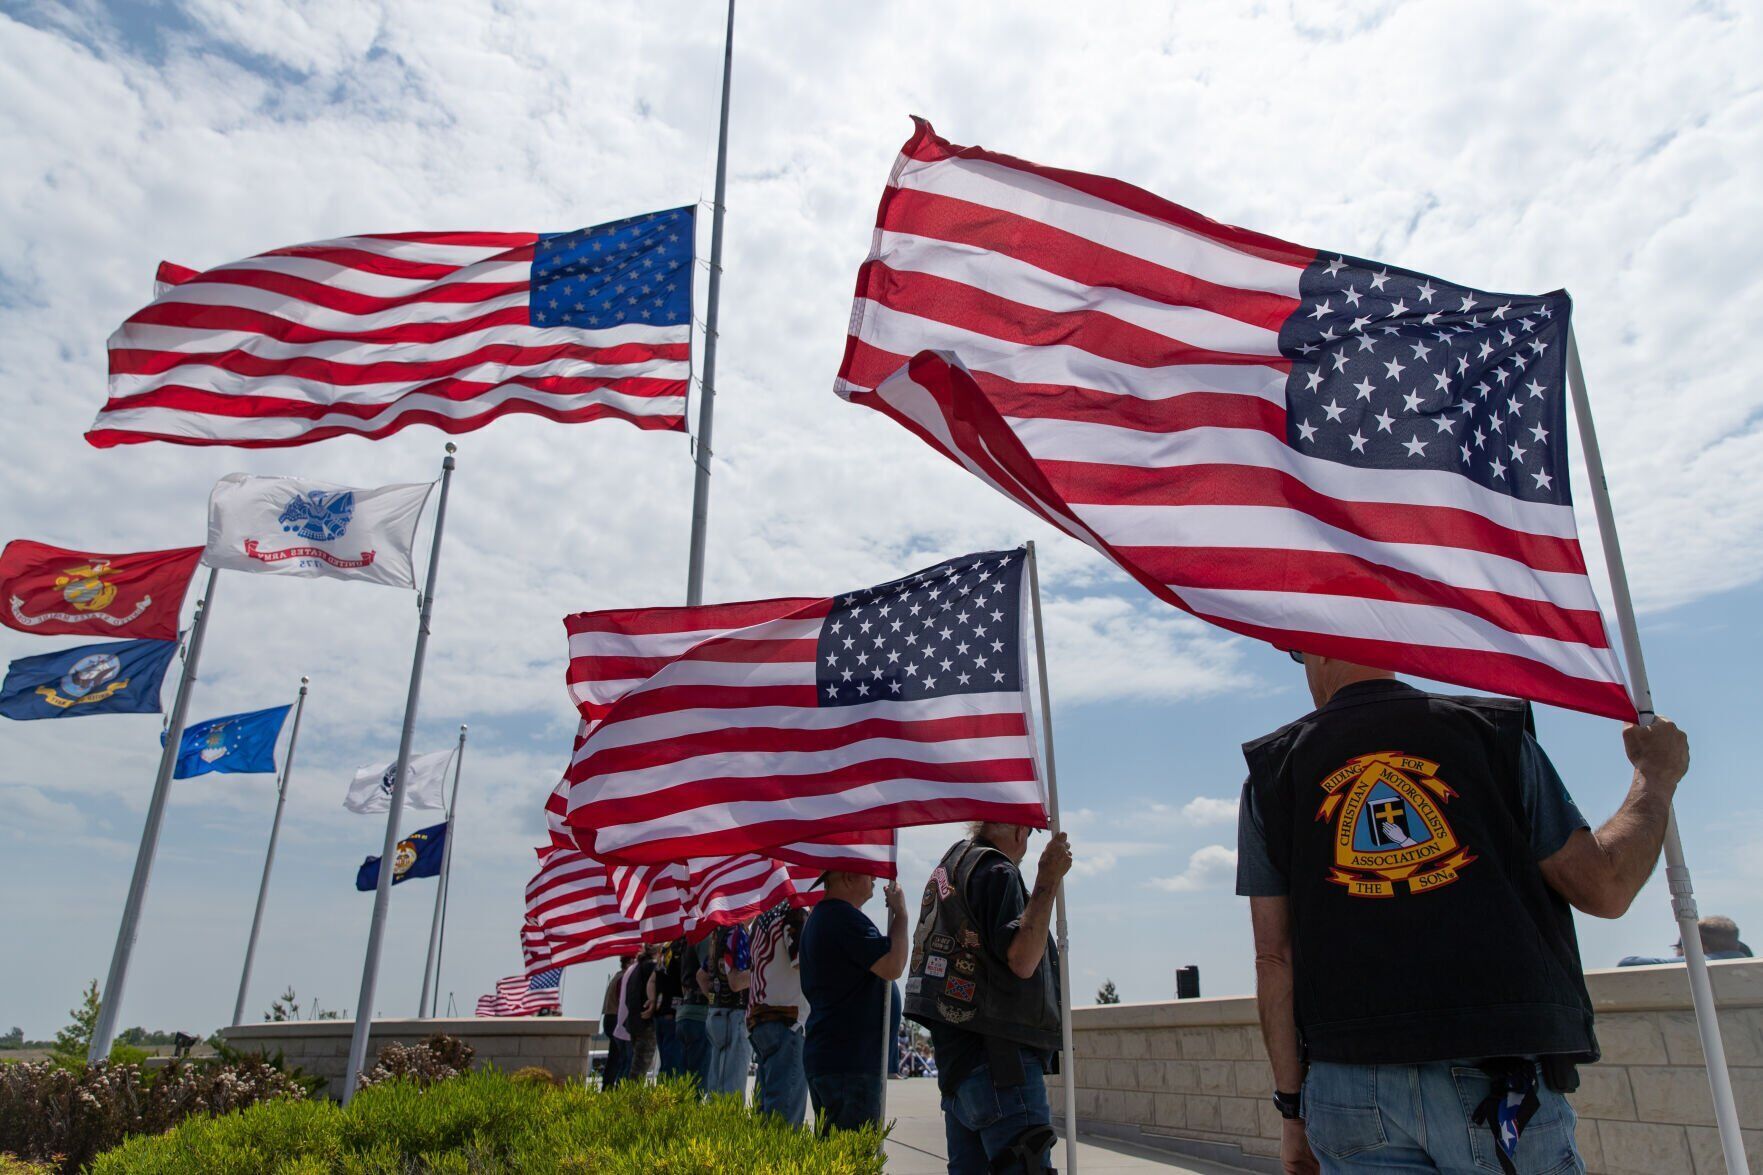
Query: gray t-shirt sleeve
{"points": [[1257, 875], [1551, 811]]}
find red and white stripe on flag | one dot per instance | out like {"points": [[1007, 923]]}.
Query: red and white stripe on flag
{"points": [[369, 334], [1113, 362], [523, 995], [736, 728]]}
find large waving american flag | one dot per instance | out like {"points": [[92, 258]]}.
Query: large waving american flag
{"points": [[524, 994], [369, 334], [726, 729], [1318, 451]]}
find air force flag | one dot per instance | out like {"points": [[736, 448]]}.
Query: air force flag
{"points": [[417, 855], [371, 789], [238, 743], [288, 526], [116, 677]]}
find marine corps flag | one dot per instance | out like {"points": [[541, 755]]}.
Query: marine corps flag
{"points": [[290, 526], [53, 591]]}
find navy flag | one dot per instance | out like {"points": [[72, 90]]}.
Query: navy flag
{"points": [[116, 677], [238, 743], [418, 855]]}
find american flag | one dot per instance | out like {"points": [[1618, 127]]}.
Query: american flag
{"points": [[524, 995], [768, 940], [1315, 450], [572, 912], [366, 335], [726, 729]]}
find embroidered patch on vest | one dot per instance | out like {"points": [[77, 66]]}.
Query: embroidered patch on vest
{"points": [[936, 966], [954, 1015], [969, 938], [1390, 827], [939, 877], [914, 985], [941, 943], [966, 963], [959, 989]]}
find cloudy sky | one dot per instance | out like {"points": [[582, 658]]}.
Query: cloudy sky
{"points": [[1614, 151]]}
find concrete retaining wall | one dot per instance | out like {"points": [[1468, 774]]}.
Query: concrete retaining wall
{"points": [[564, 1045], [1191, 1076]]}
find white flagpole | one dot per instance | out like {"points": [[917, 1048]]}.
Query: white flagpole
{"points": [[275, 828], [425, 1008], [382, 895], [111, 1007], [707, 385], [1068, 1063], [1677, 872]]}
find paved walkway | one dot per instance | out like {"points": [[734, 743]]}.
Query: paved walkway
{"points": [[916, 1145]]}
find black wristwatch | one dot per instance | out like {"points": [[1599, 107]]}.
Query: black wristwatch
{"points": [[1287, 1104]]}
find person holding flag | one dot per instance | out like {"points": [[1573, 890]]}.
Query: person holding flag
{"points": [[985, 981], [1428, 842]]}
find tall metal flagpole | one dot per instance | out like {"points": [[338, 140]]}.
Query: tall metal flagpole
{"points": [[888, 1008], [425, 1008], [707, 385], [275, 828], [382, 894], [111, 1006], [1677, 872], [1068, 1064]]}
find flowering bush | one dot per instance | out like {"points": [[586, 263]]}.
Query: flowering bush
{"points": [[435, 1059], [53, 1114]]}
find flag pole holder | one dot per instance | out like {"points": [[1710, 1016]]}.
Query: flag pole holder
{"points": [[111, 1006], [382, 894], [1677, 872], [275, 828], [1061, 935]]}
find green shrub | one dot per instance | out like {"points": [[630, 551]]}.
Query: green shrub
{"points": [[486, 1122], [51, 1113]]}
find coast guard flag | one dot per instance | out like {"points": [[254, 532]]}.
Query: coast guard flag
{"points": [[417, 855], [53, 591], [730, 728], [117, 677], [371, 789], [237, 744], [288, 526], [1326, 453], [369, 334]]}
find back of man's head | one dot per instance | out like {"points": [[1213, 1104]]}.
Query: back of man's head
{"points": [[1719, 933]]}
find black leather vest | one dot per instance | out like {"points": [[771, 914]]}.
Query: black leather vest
{"points": [[1422, 928], [955, 980]]}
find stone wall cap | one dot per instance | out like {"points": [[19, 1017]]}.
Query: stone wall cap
{"points": [[464, 1027]]}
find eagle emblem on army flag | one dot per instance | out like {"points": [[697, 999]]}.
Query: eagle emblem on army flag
{"points": [[1389, 826], [319, 515]]}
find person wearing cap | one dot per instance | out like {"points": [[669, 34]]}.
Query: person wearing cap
{"points": [[848, 968], [985, 981], [1720, 940], [1412, 863]]}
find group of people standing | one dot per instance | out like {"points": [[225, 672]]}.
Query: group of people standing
{"points": [[812, 999]]}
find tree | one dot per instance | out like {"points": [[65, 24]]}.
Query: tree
{"points": [[71, 1043], [13, 1039], [1107, 994], [285, 1008]]}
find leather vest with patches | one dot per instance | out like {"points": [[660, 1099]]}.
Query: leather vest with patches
{"points": [[955, 980], [1422, 927]]}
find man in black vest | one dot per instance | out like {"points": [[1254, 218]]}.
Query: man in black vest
{"points": [[985, 980], [1411, 861]]}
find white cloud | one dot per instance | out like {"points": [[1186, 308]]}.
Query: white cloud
{"points": [[1209, 868], [1199, 812], [1102, 648]]}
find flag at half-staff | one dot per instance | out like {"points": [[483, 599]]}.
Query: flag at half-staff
{"points": [[726, 729], [238, 744], [1326, 453], [369, 334]]}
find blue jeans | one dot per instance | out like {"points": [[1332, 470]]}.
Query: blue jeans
{"points": [[783, 1087], [667, 1047], [618, 1063], [694, 1048], [981, 1120], [729, 1051], [846, 1101], [1419, 1118]]}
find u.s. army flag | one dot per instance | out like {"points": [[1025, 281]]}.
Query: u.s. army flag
{"points": [[290, 526]]}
